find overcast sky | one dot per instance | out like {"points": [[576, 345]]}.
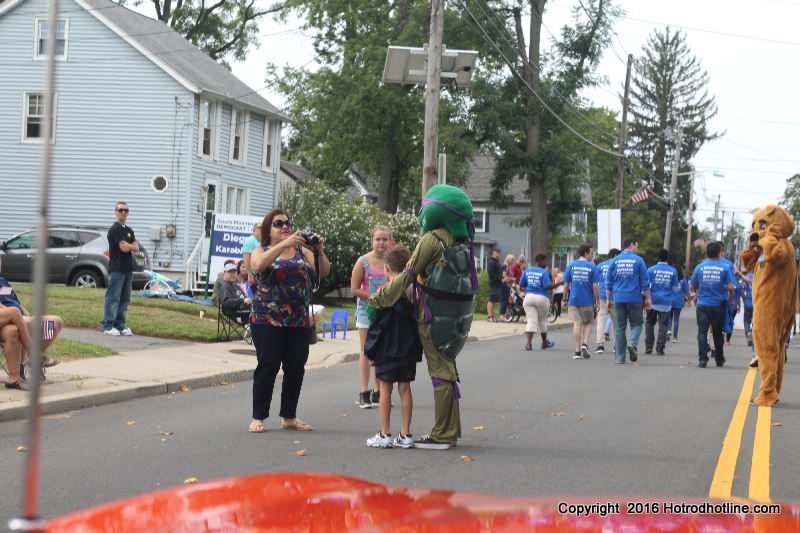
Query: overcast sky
{"points": [[750, 50]]}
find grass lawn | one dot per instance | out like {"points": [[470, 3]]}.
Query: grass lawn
{"points": [[146, 316], [67, 350]]}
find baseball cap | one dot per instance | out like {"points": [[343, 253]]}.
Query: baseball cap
{"points": [[229, 266]]}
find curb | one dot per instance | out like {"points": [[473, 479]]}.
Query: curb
{"points": [[78, 400]]}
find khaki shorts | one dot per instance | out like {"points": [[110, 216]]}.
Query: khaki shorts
{"points": [[583, 314]]}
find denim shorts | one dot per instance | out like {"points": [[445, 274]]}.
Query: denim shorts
{"points": [[362, 321]]}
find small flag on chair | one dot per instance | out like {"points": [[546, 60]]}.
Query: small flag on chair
{"points": [[49, 330], [643, 194]]}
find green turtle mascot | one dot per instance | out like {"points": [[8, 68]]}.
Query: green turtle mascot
{"points": [[442, 274]]}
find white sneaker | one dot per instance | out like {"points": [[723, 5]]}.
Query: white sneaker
{"points": [[113, 332], [403, 441], [380, 441], [675, 340], [126, 332]]}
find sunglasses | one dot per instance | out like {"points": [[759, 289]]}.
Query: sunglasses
{"points": [[123, 210], [281, 223]]}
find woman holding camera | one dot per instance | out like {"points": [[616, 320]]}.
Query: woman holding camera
{"points": [[280, 322]]}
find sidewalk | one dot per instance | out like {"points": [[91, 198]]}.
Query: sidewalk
{"points": [[147, 366]]}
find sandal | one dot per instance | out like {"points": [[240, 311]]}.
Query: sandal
{"points": [[256, 426], [298, 425], [18, 385]]}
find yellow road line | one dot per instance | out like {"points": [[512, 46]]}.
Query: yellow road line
{"points": [[722, 483], [759, 468]]}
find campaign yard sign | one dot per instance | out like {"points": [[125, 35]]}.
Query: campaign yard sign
{"points": [[227, 236]]}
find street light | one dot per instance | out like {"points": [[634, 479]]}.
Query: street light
{"points": [[405, 65]]}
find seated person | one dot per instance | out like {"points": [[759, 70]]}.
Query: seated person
{"points": [[15, 337], [241, 279], [218, 281], [235, 303], [8, 298]]}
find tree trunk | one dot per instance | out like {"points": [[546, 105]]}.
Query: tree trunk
{"points": [[389, 179], [539, 231]]}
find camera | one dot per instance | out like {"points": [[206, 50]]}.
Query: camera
{"points": [[311, 238]]}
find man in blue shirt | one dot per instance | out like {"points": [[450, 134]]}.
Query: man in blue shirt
{"points": [[746, 281], [604, 318], [535, 284], [627, 281], [712, 280], [663, 284], [581, 281]]}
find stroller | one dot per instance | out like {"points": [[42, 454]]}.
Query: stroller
{"points": [[514, 310]]}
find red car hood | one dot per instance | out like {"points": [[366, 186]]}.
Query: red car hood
{"points": [[327, 502]]}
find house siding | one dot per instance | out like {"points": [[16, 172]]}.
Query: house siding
{"points": [[509, 239], [120, 121]]}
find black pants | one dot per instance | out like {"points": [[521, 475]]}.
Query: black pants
{"points": [[557, 298], [713, 316], [276, 347], [662, 318]]}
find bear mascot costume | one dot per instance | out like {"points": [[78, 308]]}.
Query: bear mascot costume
{"points": [[771, 258]]}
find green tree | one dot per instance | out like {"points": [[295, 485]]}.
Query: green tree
{"points": [[528, 141], [346, 224], [669, 89], [344, 115], [223, 29], [791, 198]]}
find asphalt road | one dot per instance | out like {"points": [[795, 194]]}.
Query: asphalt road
{"points": [[534, 423]]}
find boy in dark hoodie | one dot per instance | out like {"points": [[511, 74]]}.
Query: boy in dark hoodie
{"points": [[394, 348]]}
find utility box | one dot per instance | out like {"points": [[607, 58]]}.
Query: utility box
{"points": [[155, 234], [171, 230]]}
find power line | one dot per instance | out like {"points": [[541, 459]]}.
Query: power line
{"points": [[529, 63], [715, 32]]}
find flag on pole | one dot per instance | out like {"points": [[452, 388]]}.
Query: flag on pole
{"points": [[643, 194]]}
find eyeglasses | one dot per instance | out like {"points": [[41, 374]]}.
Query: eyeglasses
{"points": [[281, 223], [123, 210]]}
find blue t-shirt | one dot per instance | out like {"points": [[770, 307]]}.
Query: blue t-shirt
{"points": [[534, 280], [663, 282], [250, 244], [581, 275], [627, 278], [8, 297], [747, 291], [602, 270], [710, 279], [679, 296]]}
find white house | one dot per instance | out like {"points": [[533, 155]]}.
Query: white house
{"points": [[142, 116]]}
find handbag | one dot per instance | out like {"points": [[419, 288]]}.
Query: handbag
{"points": [[313, 285], [312, 330]]}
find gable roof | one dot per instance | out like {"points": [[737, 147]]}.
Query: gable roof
{"points": [[179, 58], [479, 182]]}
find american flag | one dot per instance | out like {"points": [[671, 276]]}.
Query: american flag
{"points": [[643, 194], [49, 330]]}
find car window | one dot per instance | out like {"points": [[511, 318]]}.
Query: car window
{"points": [[22, 242], [87, 236], [63, 239]]}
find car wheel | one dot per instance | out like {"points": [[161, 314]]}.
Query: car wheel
{"points": [[87, 279]]}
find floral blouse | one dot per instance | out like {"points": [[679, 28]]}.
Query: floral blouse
{"points": [[283, 294]]}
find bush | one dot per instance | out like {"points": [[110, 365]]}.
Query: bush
{"points": [[345, 223], [482, 294]]}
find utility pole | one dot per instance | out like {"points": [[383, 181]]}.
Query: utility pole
{"points": [[689, 229], [676, 160], [431, 139], [623, 133], [716, 212]]}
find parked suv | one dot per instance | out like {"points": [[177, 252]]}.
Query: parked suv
{"points": [[76, 255]]}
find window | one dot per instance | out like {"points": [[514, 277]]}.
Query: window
{"points": [[208, 128], [238, 129], [34, 117], [235, 200], [479, 217], [42, 34], [63, 239], [271, 129], [25, 241]]}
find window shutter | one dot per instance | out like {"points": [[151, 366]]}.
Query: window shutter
{"points": [[486, 221]]}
